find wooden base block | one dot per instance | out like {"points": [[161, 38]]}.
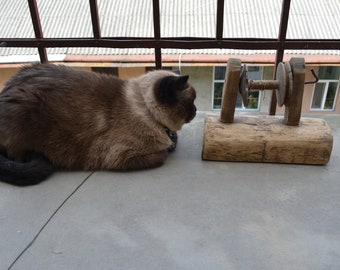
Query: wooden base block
{"points": [[267, 139]]}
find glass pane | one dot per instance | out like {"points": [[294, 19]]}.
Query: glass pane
{"points": [[329, 102], [253, 100], [217, 103], [317, 96], [239, 103], [329, 73], [218, 89], [255, 73], [220, 73]]}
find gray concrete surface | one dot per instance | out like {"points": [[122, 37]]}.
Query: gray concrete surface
{"points": [[188, 214]]}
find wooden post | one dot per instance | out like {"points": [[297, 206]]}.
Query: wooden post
{"points": [[230, 90]]}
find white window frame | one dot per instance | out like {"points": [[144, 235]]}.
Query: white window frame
{"points": [[326, 82], [237, 108]]}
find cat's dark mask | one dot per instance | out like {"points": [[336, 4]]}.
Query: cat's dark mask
{"points": [[166, 91]]}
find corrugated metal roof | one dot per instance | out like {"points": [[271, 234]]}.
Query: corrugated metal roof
{"points": [[309, 19], [126, 18], [314, 19], [188, 18], [65, 18], [15, 19]]}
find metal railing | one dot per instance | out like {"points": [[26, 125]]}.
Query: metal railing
{"points": [[158, 42]]}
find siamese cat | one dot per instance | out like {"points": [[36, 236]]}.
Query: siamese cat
{"points": [[55, 117]]}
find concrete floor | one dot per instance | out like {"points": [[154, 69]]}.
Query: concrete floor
{"points": [[188, 214]]}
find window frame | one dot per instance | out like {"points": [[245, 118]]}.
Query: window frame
{"points": [[324, 96]]}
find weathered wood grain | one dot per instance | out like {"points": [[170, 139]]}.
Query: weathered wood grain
{"points": [[267, 139], [230, 90]]}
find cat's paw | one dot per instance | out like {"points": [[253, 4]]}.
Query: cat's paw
{"points": [[173, 137]]}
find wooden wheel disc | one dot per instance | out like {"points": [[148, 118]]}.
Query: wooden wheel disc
{"points": [[281, 92], [243, 87], [289, 75]]}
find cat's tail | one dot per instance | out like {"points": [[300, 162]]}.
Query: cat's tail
{"points": [[36, 169]]}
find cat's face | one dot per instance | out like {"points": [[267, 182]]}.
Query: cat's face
{"points": [[174, 98]]}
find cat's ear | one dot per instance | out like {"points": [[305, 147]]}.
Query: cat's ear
{"points": [[166, 92], [182, 82]]}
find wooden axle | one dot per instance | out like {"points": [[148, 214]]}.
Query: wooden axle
{"points": [[281, 84], [262, 85]]}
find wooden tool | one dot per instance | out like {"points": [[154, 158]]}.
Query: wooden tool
{"points": [[290, 139]]}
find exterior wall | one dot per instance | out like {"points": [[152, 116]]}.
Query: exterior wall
{"points": [[5, 75], [308, 91], [308, 95], [201, 79], [83, 68], [130, 72]]}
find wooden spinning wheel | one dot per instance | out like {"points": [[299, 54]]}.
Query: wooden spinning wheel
{"points": [[261, 138]]}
